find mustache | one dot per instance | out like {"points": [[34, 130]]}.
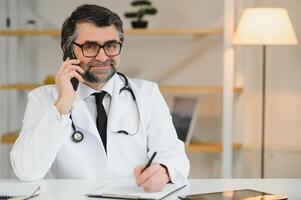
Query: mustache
{"points": [[97, 63]]}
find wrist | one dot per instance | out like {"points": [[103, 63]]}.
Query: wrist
{"points": [[167, 173], [63, 106]]}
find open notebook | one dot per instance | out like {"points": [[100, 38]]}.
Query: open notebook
{"points": [[129, 190], [24, 190]]}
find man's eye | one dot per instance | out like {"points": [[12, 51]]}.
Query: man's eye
{"points": [[111, 46], [90, 47]]}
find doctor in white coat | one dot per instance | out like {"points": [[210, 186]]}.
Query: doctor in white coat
{"points": [[61, 125]]}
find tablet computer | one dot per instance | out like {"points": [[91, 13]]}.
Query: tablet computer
{"points": [[184, 114], [245, 194]]}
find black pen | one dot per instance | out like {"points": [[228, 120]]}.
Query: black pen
{"points": [[150, 161]]}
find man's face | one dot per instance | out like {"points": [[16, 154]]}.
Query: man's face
{"points": [[100, 68]]}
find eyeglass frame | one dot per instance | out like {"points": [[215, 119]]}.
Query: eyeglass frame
{"points": [[100, 47]]}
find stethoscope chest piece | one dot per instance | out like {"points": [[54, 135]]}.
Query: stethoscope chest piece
{"points": [[77, 136]]}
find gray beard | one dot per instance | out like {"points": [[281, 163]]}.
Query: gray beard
{"points": [[105, 74]]}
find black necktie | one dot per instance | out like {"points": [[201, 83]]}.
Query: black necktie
{"points": [[101, 119]]}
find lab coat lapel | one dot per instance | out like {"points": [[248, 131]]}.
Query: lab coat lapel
{"points": [[123, 111]]}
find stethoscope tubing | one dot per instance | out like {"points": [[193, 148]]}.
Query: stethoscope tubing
{"points": [[78, 136]]}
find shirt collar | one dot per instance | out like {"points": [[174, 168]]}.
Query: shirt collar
{"points": [[84, 91]]}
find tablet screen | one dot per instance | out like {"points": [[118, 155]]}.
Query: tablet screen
{"points": [[183, 113]]}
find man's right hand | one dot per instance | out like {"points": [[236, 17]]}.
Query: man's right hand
{"points": [[67, 95]]}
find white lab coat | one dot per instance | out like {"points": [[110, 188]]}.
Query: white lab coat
{"points": [[45, 139]]}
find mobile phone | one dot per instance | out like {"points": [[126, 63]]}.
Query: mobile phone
{"points": [[69, 54]]}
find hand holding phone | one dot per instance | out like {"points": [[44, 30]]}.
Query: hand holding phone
{"points": [[69, 54], [70, 71]]}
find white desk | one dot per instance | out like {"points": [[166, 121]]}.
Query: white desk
{"points": [[61, 189]]}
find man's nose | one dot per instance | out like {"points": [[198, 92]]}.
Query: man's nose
{"points": [[101, 55]]}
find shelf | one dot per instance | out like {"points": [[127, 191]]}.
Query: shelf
{"points": [[29, 32], [194, 146], [209, 147], [194, 90], [196, 32], [165, 89], [56, 33], [21, 86]]}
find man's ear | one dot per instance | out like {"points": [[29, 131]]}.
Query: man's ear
{"points": [[64, 47]]}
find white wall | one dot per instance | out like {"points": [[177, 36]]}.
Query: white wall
{"points": [[283, 94]]}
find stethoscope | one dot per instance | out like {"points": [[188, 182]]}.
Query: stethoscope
{"points": [[78, 136]]}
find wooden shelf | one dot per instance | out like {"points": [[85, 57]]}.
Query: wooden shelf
{"points": [[21, 86], [196, 32], [194, 90], [175, 32], [29, 32], [194, 146], [209, 147], [165, 89]]}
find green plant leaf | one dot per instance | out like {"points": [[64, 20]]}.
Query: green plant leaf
{"points": [[131, 14], [141, 3], [150, 11]]}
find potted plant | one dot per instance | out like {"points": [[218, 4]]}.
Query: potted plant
{"points": [[144, 8]]}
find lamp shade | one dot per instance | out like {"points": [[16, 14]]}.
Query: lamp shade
{"points": [[265, 26]]}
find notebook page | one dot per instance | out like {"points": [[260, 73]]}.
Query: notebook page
{"points": [[17, 189], [129, 189]]}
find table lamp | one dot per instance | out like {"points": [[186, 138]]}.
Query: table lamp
{"points": [[264, 26]]}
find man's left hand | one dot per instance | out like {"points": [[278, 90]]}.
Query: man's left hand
{"points": [[152, 179]]}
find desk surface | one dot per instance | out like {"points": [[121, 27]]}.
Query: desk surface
{"points": [[62, 189]]}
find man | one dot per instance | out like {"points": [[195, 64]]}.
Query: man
{"points": [[109, 126]]}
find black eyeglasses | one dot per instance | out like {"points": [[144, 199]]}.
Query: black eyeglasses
{"points": [[91, 49]]}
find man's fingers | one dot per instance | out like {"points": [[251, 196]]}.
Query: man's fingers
{"points": [[147, 186], [147, 173], [67, 63], [153, 183], [138, 170], [77, 76], [71, 68], [63, 65], [70, 75], [153, 179]]}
